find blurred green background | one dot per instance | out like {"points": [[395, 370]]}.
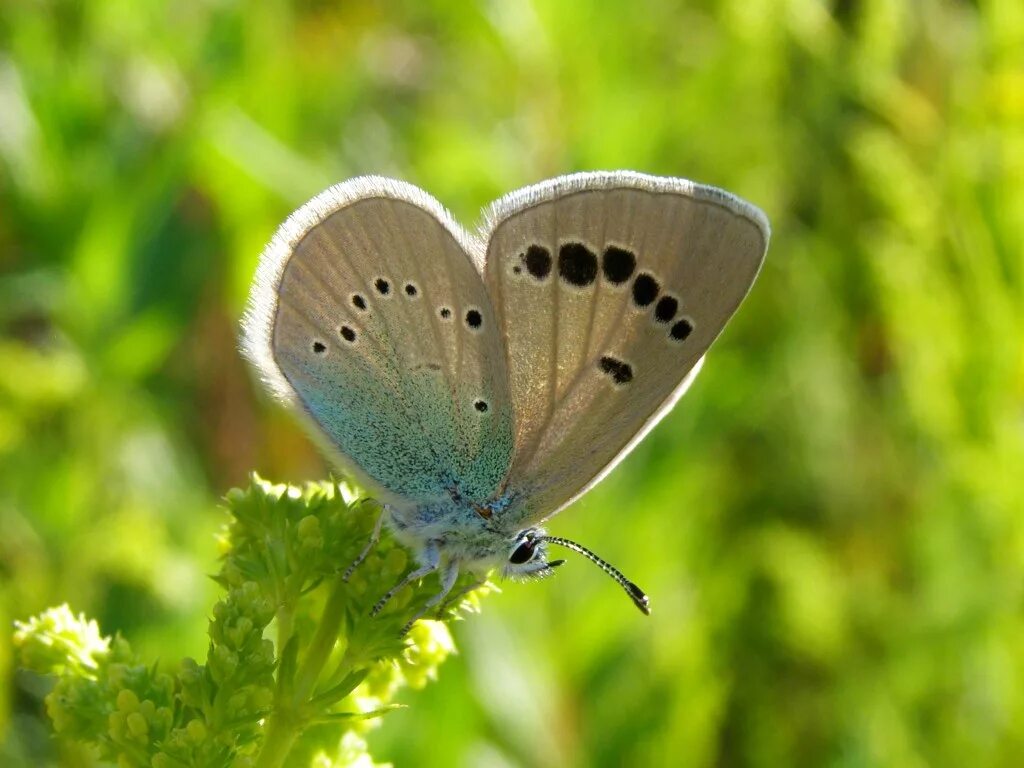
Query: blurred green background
{"points": [[831, 525]]}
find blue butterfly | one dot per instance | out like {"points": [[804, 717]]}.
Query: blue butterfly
{"points": [[479, 382]]}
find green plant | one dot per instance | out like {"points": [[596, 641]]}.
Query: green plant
{"points": [[296, 666]]}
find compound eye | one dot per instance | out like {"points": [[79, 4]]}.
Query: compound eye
{"points": [[523, 553]]}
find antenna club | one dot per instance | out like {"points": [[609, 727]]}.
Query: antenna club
{"points": [[637, 595]]}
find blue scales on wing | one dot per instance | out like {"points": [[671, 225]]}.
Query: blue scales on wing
{"points": [[377, 324]]}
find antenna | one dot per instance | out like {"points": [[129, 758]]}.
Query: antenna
{"points": [[636, 594]]}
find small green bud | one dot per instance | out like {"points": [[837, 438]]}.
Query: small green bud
{"points": [[250, 592], [116, 724], [190, 672], [164, 718], [237, 705], [196, 731], [239, 633], [191, 677], [263, 611], [127, 701], [137, 725], [223, 663], [265, 654]]}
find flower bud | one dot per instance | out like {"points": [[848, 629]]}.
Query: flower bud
{"points": [[127, 700], [137, 725], [196, 731]]}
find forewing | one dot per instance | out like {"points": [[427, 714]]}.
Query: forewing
{"points": [[369, 315], [608, 288]]}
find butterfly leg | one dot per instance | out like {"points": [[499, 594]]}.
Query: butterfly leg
{"points": [[448, 578], [374, 538], [431, 559]]}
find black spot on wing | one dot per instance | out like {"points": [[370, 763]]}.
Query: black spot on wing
{"points": [[319, 347], [620, 372], [481, 405], [681, 330], [617, 264], [383, 286], [645, 289], [474, 319], [445, 313], [348, 334], [666, 309], [358, 301], [577, 264], [538, 261]]}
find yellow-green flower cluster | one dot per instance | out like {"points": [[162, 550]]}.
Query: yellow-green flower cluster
{"points": [[57, 641], [103, 695], [295, 665]]}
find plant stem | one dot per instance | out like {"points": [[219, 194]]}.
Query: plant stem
{"points": [[281, 733], [323, 641], [288, 719]]}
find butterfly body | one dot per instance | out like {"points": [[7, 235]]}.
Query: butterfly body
{"points": [[478, 383], [458, 530]]}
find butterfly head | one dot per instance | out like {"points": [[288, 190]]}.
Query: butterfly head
{"points": [[528, 558]]}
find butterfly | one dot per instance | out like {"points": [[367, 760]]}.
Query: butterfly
{"points": [[477, 383]]}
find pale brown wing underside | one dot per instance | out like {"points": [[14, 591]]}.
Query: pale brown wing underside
{"points": [[608, 290]]}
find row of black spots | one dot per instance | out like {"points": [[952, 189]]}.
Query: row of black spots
{"points": [[347, 333], [474, 320], [383, 286], [646, 290], [619, 371], [577, 264]]}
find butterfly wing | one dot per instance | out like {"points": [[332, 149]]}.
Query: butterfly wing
{"points": [[369, 315], [608, 290]]}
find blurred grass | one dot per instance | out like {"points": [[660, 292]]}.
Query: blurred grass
{"points": [[831, 525]]}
